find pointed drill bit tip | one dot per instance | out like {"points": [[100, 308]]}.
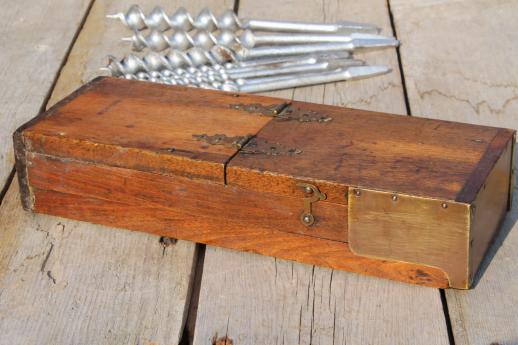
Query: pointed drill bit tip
{"points": [[367, 71]]}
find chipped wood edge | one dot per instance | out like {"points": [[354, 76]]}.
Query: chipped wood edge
{"points": [[21, 147]]}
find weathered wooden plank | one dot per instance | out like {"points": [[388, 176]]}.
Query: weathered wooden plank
{"points": [[459, 60], [66, 282], [487, 314], [34, 41], [258, 300]]}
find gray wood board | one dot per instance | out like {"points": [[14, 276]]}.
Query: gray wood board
{"points": [[34, 41]]}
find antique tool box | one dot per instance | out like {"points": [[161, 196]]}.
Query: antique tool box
{"points": [[404, 198]]}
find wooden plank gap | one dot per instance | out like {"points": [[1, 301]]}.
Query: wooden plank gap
{"points": [[447, 318], [192, 309], [401, 71], [7, 184], [50, 90], [46, 100]]}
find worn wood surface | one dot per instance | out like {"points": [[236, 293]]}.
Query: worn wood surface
{"points": [[34, 41], [232, 217], [414, 156], [471, 78], [145, 126], [66, 282], [258, 300]]}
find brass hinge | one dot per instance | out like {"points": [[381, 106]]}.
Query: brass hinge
{"points": [[311, 194], [221, 139], [257, 108], [283, 112], [262, 146]]}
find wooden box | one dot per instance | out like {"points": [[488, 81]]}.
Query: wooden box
{"points": [[404, 198]]}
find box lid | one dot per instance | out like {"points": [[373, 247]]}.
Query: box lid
{"points": [[145, 126], [335, 148], [264, 143]]}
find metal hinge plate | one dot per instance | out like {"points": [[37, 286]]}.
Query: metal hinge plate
{"points": [[311, 195], [283, 112]]}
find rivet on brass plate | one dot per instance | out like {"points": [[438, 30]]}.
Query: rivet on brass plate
{"points": [[444, 205], [357, 192], [394, 197]]}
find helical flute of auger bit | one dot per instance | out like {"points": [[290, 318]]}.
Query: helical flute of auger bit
{"points": [[153, 62], [158, 19], [182, 40], [184, 79], [158, 41], [173, 59]]}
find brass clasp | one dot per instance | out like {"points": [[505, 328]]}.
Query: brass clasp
{"points": [[311, 194]]}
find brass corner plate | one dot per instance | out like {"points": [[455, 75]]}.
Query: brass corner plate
{"points": [[411, 229]]}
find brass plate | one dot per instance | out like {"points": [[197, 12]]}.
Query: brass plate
{"points": [[412, 229]]}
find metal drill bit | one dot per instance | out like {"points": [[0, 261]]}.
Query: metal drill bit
{"points": [[203, 78], [340, 74], [296, 49], [134, 65], [284, 59], [158, 19], [182, 40], [175, 59], [303, 68]]}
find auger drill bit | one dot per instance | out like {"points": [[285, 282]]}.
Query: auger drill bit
{"points": [[158, 19], [182, 40]]}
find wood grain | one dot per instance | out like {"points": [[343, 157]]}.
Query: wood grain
{"points": [[258, 300], [30, 60], [472, 78], [459, 59], [232, 217], [191, 206], [414, 156], [111, 287], [145, 126]]}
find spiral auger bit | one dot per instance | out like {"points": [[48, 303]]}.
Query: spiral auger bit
{"points": [[159, 20], [182, 40]]}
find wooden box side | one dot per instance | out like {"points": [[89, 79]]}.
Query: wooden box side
{"points": [[489, 207], [179, 207]]}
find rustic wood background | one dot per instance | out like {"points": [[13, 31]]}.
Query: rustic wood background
{"points": [[67, 282]]}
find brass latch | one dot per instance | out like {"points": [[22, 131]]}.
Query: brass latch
{"points": [[311, 195]]}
